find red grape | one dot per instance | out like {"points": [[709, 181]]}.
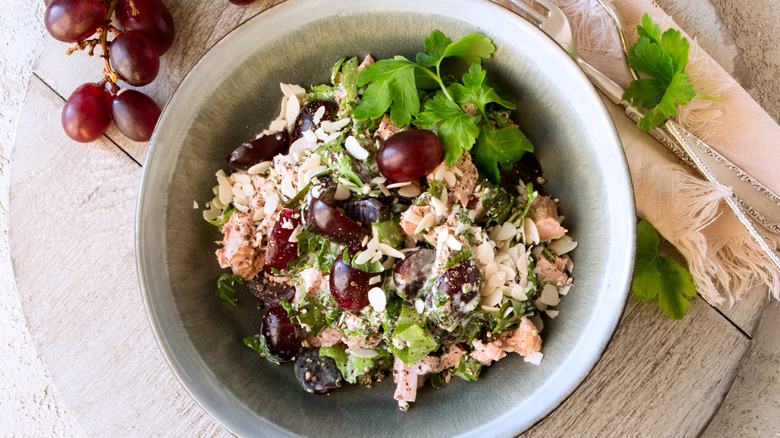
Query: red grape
{"points": [[153, 20], [74, 20], [284, 338], [280, 251], [459, 285], [368, 211], [86, 115], [241, 2], [349, 286], [135, 114], [270, 292], [263, 148], [411, 273], [133, 57], [409, 155], [305, 120], [333, 224]]}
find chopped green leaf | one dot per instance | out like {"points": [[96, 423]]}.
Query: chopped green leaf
{"points": [[224, 217], [456, 130], [663, 58], [259, 344], [504, 146], [660, 276], [468, 369], [226, 285], [474, 90], [388, 232], [416, 340]]}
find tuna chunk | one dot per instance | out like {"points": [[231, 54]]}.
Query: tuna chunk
{"points": [[553, 271], [239, 251], [329, 337], [405, 379], [544, 213], [487, 353], [451, 358], [412, 217], [386, 128], [466, 180], [523, 341]]}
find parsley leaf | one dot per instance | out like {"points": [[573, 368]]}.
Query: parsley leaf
{"points": [[226, 285], [475, 90], [456, 130], [259, 344], [392, 86], [662, 57], [504, 146], [660, 276], [471, 48]]}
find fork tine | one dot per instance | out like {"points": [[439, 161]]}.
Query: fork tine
{"points": [[528, 9]]}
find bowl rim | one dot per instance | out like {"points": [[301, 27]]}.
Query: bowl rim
{"points": [[506, 424]]}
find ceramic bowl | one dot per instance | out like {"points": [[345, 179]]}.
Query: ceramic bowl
{"points": [[232, 93]]}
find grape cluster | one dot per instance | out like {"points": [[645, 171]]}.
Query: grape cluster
{"points": [[132, 35]]}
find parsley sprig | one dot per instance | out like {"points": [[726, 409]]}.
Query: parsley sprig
{"points": [[659, 276], [415, 92], [662, 58]]}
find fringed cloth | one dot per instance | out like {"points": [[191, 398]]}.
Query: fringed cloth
{"points": [[687, 210]]}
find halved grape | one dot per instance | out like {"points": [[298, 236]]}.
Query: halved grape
{"points": [[333, 224], [305, 120], [270, 292], [86, 114], [456, 289], [280, 251], [135, 114], [263, 148], [133, 57], [74, 20], [409, 155], [153, 21], [317, 374], [526, 169], [284, 338], [349, 286], [411, 273], [368, 211]]}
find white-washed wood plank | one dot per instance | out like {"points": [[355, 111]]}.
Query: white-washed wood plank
{"points": [[71, 231], [657, 378]]}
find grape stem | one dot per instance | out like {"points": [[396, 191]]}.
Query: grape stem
{"points": [[104, 31]]}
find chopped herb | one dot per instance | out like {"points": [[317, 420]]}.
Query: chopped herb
{"points": [[259, 344], [226, 285], [223, 217]]}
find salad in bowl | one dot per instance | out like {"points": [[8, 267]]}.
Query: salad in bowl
{"points": [[392, 224]]}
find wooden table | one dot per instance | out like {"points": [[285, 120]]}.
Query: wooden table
{"points": [[72, 215]]}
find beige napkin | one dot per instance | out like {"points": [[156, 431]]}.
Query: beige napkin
{"points": [[686, 209]]}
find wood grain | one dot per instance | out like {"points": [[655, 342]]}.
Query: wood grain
{"points": [[72, 213], [81, 200]]}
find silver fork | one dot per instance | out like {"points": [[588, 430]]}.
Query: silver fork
{"points": [[552, 21]]}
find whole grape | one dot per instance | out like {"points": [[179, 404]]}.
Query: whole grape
{"points": [[409, 155], [71, 21], [153, 20], [241, 2], [133, 57], [86, 116], [135, 114]]}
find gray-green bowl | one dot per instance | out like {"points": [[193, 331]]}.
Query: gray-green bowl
{"points": [[233, 92]]}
